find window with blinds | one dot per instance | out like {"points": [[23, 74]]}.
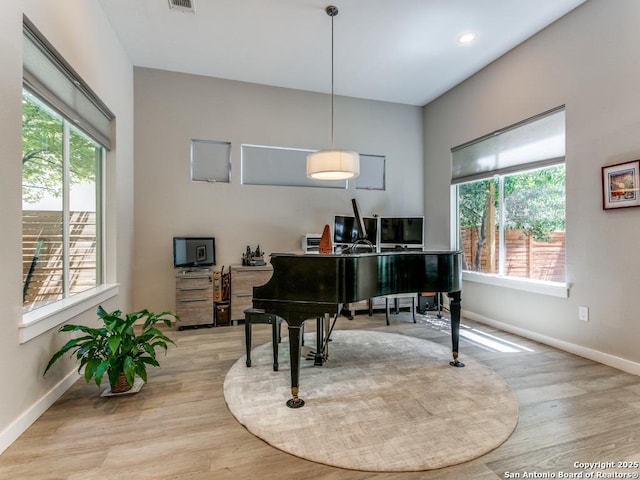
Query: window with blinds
{"points": [[66, 131], [510, 200]]}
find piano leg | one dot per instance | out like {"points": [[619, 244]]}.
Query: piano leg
{"points": [[294, 356], [247, 339], [318, 358], [275, 340], [454, 308]]}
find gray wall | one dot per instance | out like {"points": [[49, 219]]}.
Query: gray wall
{"points": [[81, 32], [172, 108], [587, 61]]}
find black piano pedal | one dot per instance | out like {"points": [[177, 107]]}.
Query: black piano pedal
{"points": [[318, 360]]}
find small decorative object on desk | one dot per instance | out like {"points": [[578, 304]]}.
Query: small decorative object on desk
{"points": [[325, 241], [253, 259]]}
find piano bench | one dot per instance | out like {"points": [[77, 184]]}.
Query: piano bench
{"points": [[253, 315], [395, 298]]}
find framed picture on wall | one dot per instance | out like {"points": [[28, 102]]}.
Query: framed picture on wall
{"points": [[621, 185]]}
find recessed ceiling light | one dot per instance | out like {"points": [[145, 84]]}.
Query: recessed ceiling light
{"points": [[467, 37]]}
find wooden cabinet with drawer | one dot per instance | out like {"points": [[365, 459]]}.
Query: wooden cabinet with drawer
{"points": [[243, 279], [194, 298]]}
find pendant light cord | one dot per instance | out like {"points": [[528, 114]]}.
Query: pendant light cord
{"points": [[332, 129], [332, 11]]}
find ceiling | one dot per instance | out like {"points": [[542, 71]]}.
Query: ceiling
{"points": [[402, 51]]}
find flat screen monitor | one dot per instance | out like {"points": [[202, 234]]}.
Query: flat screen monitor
{"points": [[194, 251], [345, 229], [402, 230]]}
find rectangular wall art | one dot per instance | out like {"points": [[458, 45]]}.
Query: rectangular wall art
{"points": [[620, 185]]}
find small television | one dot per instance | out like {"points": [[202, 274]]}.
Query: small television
{"points": [[345, 229], [194, 251], [402, 230]]}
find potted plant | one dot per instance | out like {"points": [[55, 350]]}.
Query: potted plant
{"points": [[115, 348]]}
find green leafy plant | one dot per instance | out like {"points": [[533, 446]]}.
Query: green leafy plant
{"points": [[115, 348]]}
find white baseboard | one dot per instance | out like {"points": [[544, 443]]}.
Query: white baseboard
{"points": [[24, 421], [595, 355]]}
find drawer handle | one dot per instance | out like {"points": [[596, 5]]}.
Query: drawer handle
{"points": [[194, 300], [191, 289], [244, 294]]}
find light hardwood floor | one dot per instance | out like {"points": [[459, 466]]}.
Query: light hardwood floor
{"points": [[179, 427]]}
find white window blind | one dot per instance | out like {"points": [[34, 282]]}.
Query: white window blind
{"points": [[263, 165], [210, 161], [535, 142], [53, 80], [372, 172]]}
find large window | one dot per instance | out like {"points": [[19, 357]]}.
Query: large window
{"points": [[60, 206], [65, 133], [511, 200]]}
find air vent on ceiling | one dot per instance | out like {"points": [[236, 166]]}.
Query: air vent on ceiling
{"points": [[182, 5]]}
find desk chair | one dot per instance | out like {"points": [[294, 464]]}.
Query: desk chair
{"points": [[395, 299]]}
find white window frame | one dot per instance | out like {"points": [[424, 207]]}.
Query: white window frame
{"points": [[97, 124], [555, 289]]}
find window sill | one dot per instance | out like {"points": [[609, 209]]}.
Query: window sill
{"points": [[554, 289], [50, 316]]}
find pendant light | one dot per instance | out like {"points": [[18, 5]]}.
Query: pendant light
{"points": [[333, 164]]}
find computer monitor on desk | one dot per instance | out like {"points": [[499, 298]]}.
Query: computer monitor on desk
{"points": [[345, 231], [401, 233]]}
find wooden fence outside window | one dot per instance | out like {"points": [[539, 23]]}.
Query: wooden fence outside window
{"points": [[42, 255], [526, 257]]}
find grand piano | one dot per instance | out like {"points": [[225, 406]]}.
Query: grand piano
{"points": [[310, 286]]}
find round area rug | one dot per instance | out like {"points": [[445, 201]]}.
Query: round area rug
{"points": [[383, 402]]}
